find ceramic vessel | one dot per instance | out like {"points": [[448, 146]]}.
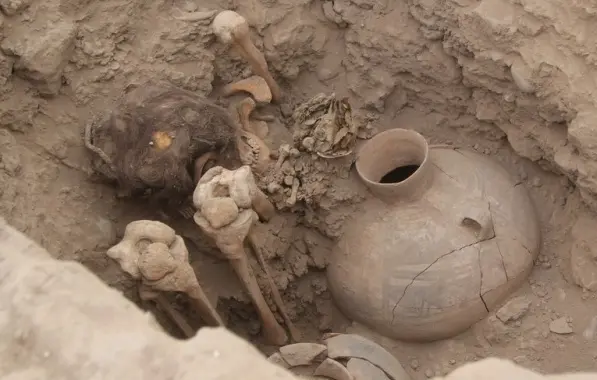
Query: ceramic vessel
{"points": [[445, 237]]}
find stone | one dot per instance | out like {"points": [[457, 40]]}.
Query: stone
{"points": [[514, 309], [12, 7], [278, 360], [355, 346], [255, 85], [521, 74], [332, 369], [590, 332], [10, 156], [363, 370], [583, 254], [301, 353], [42, 53], [582, 134], [219, 211], [560, 326]]}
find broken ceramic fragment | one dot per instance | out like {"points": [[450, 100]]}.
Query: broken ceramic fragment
{"points": [[363, 370], [301, 353], [333, 369], [366, 359], [355, 346]]}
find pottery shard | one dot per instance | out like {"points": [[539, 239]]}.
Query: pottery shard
{"points": [[219, 212], [514, 309], [363, 370], [301, 353], [278, 360], [332, 369], [255, 85], [355, 346], [42, 53]]}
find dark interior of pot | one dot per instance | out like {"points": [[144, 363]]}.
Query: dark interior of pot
{"points": [[399, 174], [392, 161]]}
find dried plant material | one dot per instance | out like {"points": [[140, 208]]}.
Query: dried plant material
{"points": [[324, 125]]}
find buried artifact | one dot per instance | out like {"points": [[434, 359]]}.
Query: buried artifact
{"points": [[447, 236]]}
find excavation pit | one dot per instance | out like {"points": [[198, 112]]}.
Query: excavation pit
{"points": [[460, 75]]}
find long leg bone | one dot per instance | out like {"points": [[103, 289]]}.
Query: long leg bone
{"points": [[186, 329], [294, 333], [229, 227], [147, 294], [230, 27], [152, 252], [230, 240]]}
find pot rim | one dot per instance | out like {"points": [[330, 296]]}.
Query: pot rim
{"points": [[414, 181]]}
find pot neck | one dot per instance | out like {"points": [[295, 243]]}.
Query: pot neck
{"points": [[394, 150], [412, 188]]}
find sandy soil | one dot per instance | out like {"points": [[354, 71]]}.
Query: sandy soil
{"points": [[63, 61]]}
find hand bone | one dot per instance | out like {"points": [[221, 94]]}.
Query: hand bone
{"points": [[230, 27]]}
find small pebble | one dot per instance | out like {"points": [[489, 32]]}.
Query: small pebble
{"points": [[288, 180], [273, 188], [429, 373], [536, 182], [560, 326], [286, 110], [452, 361], [414, 364]]}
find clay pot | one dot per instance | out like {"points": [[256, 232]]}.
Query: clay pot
{"points": [[445, 238]]}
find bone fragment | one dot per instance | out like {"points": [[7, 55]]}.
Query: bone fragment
{"points": [[152, 252], [230, 240], [283, 153], [255, 85], [292, 199], [232, 28]]}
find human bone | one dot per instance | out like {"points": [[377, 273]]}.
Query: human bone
{"points": [[251, 203], [151, 252], [232, 28]]}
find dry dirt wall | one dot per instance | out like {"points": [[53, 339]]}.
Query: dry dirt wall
{"points": [[525, 66], [517, 68]]}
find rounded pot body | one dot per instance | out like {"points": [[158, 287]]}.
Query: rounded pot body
{"points": [[429, 256]]}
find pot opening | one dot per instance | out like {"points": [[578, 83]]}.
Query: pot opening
{"points": [[393, 164], [399, 174]]}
